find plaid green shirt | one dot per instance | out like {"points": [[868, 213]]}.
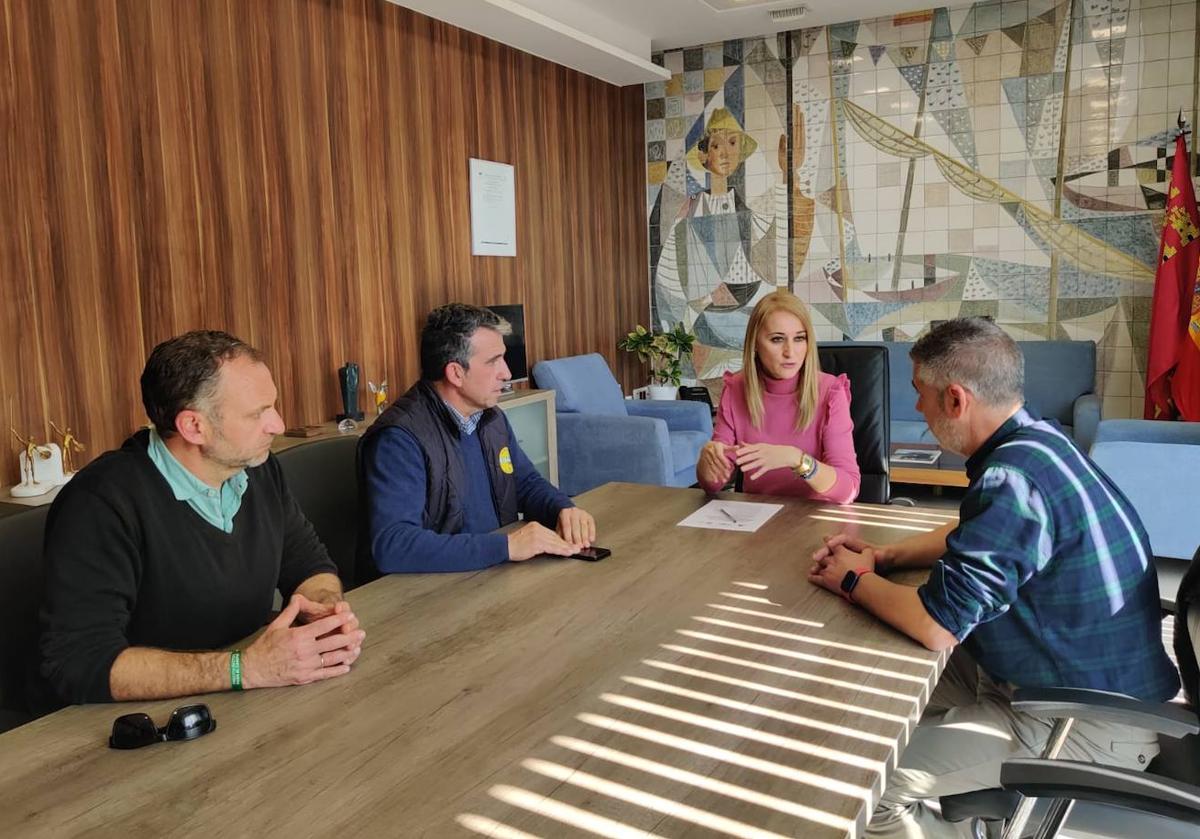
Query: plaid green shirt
{"points": [[1049, 578]]}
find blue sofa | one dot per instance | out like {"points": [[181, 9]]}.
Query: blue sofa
{"points": [[604, 437], [1060, 384]]}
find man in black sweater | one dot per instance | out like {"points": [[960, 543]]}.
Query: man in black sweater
{"points": [[172, 547]]}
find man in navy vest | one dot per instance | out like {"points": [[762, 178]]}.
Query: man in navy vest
{"points": [[442, 469]]}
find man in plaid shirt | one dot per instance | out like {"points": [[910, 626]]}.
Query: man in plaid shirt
{"points": [[1047, 580]]}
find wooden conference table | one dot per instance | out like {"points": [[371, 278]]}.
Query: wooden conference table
{"points": [[694, 683]]}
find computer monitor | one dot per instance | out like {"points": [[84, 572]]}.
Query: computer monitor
{"points": [[514, 342]]}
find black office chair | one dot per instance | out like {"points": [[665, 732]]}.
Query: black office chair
{"points": [[365, 569], [1187, 607], [321, 477], [21, 575], [697, 393], [866, 366], [1170, 786]]}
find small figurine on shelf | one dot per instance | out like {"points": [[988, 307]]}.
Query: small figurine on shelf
{"points": [[348, 378], [70, 446], [51, 462], [380, 391]]}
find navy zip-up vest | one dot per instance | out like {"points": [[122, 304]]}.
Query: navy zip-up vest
{"points": [[422, 413]]}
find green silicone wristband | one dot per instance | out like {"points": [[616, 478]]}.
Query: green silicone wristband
{"points": [[235, 669]]}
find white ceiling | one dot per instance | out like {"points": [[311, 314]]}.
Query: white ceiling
{"points": [[613, 39]]}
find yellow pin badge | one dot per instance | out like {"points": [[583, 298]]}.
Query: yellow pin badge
{"points": [[506, 461]]}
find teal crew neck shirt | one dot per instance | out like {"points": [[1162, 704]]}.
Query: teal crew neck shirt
{"points": [[216, 506]]}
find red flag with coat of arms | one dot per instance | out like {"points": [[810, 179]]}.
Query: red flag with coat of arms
{"points": [[1173, 365]]}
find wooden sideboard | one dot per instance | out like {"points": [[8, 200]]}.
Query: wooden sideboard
{"points": [[531, 413]]}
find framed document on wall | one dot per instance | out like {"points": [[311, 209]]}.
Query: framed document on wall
{"points": [[493, 209]]}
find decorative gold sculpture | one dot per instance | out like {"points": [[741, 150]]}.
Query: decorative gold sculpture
{"points": [[381, 394], [33, 452], [70, 446]]}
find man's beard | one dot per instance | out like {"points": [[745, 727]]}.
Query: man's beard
{"points": [[949, 437], [227, 460]]}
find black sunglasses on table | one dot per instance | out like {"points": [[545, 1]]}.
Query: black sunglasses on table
{"points": [[132, 731]]}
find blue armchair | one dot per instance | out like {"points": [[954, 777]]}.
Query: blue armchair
{"points": [[1154, 464], [603, 437]]}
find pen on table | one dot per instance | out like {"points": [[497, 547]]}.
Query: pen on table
{"points": [[727, 515]]}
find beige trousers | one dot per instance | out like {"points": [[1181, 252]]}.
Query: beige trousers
{"points": [[967, 731]]}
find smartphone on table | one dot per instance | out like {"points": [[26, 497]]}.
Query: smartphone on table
{"points": [[592, 554]]}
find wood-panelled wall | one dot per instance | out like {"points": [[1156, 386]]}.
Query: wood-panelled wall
{"points": [[295, 172]]}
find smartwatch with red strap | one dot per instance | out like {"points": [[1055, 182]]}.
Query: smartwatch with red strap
{"points": [[850, 581]]}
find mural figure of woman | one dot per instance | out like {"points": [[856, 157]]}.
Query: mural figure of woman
{"points": [[720, 256]]}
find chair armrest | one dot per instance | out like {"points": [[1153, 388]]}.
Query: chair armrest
{"points": [[1085, 418], [1148, 431], [1074, 780], [680, 415], [594, 449], [1083, 703]]}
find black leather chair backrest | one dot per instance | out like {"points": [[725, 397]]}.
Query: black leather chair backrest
{"points": [[866, 366], [364, 565], [1187, 601], [698, 393], [321, 477], [1180, 759], [21, 538]]}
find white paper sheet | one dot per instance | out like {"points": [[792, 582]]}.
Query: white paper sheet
{"points": [[493, 209], [742, 516]]}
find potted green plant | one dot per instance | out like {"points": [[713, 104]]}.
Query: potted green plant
{"points": [[665, 352]]}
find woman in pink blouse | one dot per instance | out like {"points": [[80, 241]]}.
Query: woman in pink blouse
{"points": [[781, 420]]}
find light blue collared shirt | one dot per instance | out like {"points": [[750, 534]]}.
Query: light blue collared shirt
{"points": [[215, 506], [466, 425]]}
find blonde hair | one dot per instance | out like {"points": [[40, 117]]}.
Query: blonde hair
{"points": [[810, 372]]}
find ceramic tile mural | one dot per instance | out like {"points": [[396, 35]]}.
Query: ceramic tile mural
{"points": [[717, 193], [1003, 158]]}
